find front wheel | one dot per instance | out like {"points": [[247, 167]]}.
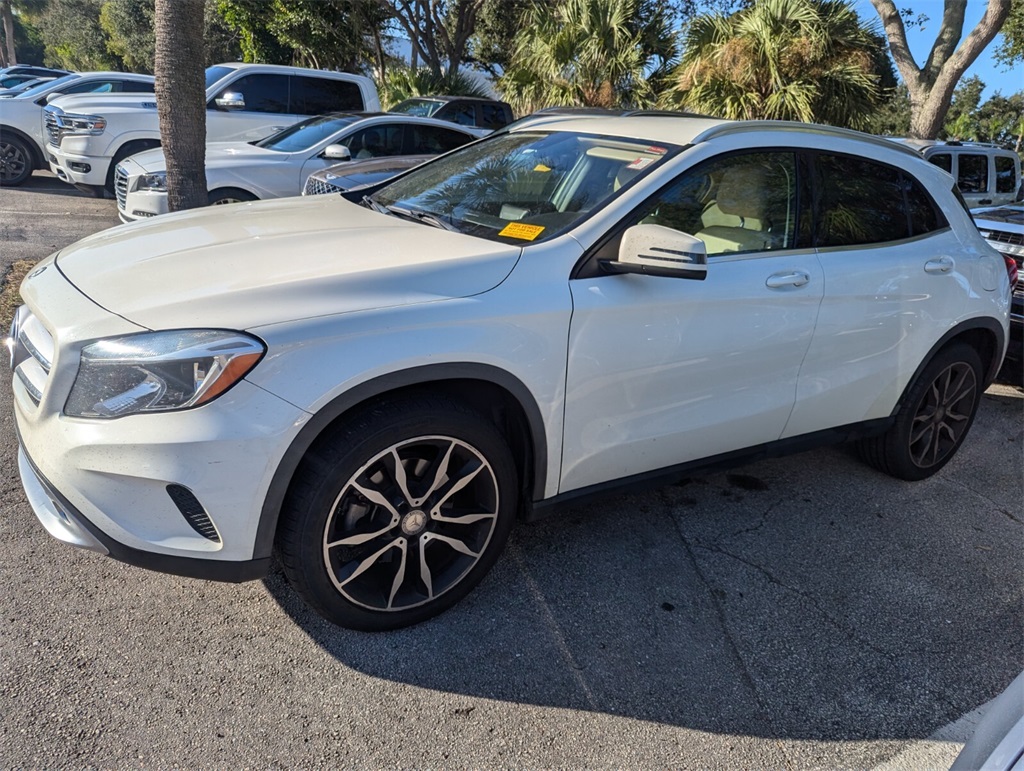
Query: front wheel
{"points": [[934, 418], [398, 513], [226, 195]]}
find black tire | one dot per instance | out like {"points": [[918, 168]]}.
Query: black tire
{"points": [[933, 419], [228, 195], [16, 162], [371, 552]]}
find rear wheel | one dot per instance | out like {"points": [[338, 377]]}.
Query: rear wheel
{"points": [[15, 161], [398, 514], [934, 418]]}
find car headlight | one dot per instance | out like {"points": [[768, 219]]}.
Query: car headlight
{"points": [[159, 371], [82, 124], [156, 182]]}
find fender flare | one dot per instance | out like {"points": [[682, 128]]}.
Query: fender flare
{"points": [[425, 375]]}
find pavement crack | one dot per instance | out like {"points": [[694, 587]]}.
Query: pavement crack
{"points": [[763, 521], [995, 504]]}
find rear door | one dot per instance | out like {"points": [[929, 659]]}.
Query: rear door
{"points": [[893, 282]]}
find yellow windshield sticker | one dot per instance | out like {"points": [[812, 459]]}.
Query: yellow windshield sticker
{"points": [[521, 230], [541, 167]]}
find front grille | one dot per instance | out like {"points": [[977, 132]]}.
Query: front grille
{"points": [[121, 186], [1002, 237], [316, 186], [52, 129], [32, 355], [192, 510]]}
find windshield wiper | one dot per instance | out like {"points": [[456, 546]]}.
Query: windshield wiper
{"points": [[423, 216], [369, 203]]}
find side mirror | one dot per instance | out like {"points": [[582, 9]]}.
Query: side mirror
{"points": [[337, 153], [230, 100], [655, 250]]}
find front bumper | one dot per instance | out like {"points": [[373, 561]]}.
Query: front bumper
{"points": [[76, 169], [134, 204]]}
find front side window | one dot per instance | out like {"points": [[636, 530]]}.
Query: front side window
{"points": [[972, 173], [1006, 174], [861, 202], [943, 160], [741, 203], [137, 87], [305, 134], [492, 116], [213, 74], [262, 93], [463, 114], [524, 186]]}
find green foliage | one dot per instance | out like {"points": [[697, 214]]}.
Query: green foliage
{"points": [[74, 38], [403, 82], [129, 25], [805, 60], [600, 53], [248, 18], [1000, 119], [497, 25], [28, 40], [1011, 49], [892, 116]]}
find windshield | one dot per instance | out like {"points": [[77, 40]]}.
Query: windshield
{"points": [[525, 186], [213, 74], [306, 134], [48, 86], [422, 108]]}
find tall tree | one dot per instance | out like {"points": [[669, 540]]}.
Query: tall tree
{"points": [[931, 86], [597, 53], [10, 54], [181, 99], [1011, 49], [439, 30], [805, 60]]}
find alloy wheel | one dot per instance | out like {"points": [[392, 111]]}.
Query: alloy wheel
{"points": [[12, 161], [411, 523], [943, 415]]}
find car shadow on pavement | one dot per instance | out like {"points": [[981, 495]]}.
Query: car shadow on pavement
{"points": [[801, 598]]}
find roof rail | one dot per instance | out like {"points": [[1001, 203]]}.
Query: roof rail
{"points": [[743, 126], [666, 114]]}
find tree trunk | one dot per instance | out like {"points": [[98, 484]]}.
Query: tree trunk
{"points": [[181, 99], [10, 54], [931, 87]]}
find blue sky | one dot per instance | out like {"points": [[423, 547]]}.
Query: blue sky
{"points": [[995, 76]]}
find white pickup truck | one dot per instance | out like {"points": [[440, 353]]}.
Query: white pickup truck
{"points": [[88, 135]]}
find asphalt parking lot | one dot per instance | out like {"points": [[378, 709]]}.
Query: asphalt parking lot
{"points": [[805, 612]]}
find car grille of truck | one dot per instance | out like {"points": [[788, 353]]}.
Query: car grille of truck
{"points": [[32, 354], [316, 186], [1002, 237], [52, 129], [121, 187]]}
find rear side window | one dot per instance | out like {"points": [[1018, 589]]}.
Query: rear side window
{"points": [[972, 173], [492, 116], [924, 216], [433, 140], [1006, 174], [861, 202], [315, 96], [943, 160], [137, 87], [463, 114]]}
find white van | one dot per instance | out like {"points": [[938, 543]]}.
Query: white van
{"points": [[987, 174]]}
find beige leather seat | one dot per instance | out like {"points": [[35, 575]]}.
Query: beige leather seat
{"points": [[735, 221]]}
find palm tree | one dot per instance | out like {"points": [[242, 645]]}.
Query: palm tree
{"points": [[181, 99], [804, 60], [595, 53], [403, 82]]}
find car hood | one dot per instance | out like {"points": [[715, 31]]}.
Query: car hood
{"points": [[248, 265], [105, 104], [1009, 215], [218, 155]]}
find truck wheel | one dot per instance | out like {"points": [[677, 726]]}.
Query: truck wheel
{"points": [[15, 161], [398, 513]]}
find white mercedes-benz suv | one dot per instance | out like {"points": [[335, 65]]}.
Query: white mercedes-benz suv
{"points": [[378, 388]]}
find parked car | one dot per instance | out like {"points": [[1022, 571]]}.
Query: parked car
{"points": [[464, 110], [245, 102], [11, 81], [1003, 228], [22, 86], [997, 743], [986, 174], [22, 129], [378, 384], [278, 165], [32, 71], [352, 174]]}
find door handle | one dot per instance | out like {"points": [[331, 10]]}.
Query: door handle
{"points": [[796, 278], [985, 201], [939, 265]]}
